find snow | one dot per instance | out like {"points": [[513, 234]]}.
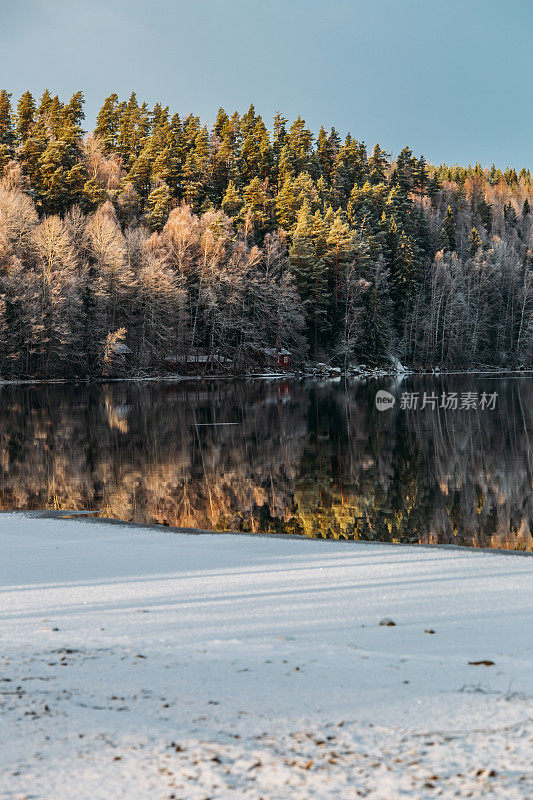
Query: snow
{"points": [[398, 366], [147, 663]]}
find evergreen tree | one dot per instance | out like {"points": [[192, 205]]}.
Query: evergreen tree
{"points": [[25, 116], [93, 194], [376, 337], [256, 208], [158, 206], [61, 169], [128, 139], [447, 234], [74, 112], [232, 202], [7, 134], [420, 177], [339, 253], [378, 165], [107, 124], [310, 275], [45, 103], [351, 169], [404, 279], [406, 171], [475, 241]]}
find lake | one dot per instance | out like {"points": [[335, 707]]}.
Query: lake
{"points": [[310, 458]]}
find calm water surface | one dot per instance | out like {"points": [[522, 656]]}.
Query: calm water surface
{"points": [[308, 458]]}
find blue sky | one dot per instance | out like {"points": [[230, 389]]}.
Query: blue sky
{"points": [[450, 78]]}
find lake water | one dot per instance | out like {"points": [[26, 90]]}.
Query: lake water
{"points": [[287, 457]]}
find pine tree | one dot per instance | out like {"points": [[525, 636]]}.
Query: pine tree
{"points": [[279, 138], [45, 104], [158, 206], [129, 203], [475, 242], [93, 194], [107, 124], [420, 177], [339, 253], [310, 275], [232, 202], [128, 139], [256, 208], [61, 169], [376, 335], [404, 279], [406, 171], [351, 169], [378, 165], [326, 151], [74, 112], [25, 116], [7, 134], [220, 123], [296, 156], [29, 157], [447, 234]]}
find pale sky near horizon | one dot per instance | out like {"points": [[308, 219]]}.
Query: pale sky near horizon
{"points": [[452, 79]]}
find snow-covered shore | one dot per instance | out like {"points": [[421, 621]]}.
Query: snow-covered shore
{"points": [[149, 664]]}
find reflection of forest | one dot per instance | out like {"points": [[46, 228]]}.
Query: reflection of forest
{"points": [[317, 460]]}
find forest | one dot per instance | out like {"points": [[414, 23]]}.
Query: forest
{"points": [[157, 238]]}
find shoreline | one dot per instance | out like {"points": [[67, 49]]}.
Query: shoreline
{"points": [[91, 517], [263, 376]]}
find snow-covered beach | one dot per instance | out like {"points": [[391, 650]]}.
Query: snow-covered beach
{"points": [[153, 664]]}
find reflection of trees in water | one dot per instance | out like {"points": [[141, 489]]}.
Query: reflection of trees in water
{"points": [[145, 452], [461, 477], [482, 465], [319, 460]]}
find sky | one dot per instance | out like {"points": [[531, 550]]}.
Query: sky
{"points": [[450, 78]]}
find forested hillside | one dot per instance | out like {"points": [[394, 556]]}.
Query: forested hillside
{"points": [[158, 237]]}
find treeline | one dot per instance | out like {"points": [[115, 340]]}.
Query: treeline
{"points": [[158, 237]]}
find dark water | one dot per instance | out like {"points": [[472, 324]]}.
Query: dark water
{"points": [[314, 459]]}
